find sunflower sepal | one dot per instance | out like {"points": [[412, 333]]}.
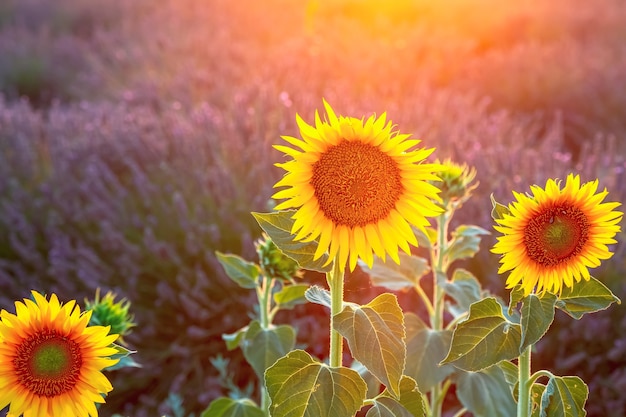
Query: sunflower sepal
{"points": [[278, 226], [586, 297]]}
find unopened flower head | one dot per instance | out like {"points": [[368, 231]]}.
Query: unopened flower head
{"points": [[274, 262]]}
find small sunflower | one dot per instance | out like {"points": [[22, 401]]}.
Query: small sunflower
{"points": [[357, 187], [551, 238], [50, 361]]}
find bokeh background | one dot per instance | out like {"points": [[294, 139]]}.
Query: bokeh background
{"points": [[135, 139]]}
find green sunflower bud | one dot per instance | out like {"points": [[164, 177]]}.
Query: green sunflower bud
{"points": [[107, 312], [274, 262], [457, 183]]}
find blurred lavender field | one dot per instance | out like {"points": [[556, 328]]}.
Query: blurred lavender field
{"points": [[135, 138]]}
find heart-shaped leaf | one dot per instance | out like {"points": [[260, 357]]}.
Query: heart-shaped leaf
{"points": [[486, 393], [537, 316], [464, 288], [227, 407], [244, 273], [485, 338], [394, 276], [425, 349], [278, 226], [585, 297], [300, 386], [564, 397], [262, 347], [375, 333]]}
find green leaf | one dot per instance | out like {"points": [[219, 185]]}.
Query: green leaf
{"points": [[485, 338], [465, 242], [425, 240], [586, 297], [564, 397], [262, 347], [510, 372], [318, 295], [278, 226], [394, 276], [486, 393], [537, 316], [425, 349], [410, 403], [516, 296], [227, 407], [464, 288], [124, 358], [375, 334], [244, 273], [233, 340], [499, 210], [300, 386], [290, 296]]}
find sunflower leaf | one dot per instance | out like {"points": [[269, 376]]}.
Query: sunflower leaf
{"points": [[318, 295], [244, 273], [485, 338], [586, 297], [298, 385], [499, 210], [425, 348], [409, 404], [290, 296], [394, 276], [262, 347], [278, 226], [375, 333], [486, 393], [464, 288], [537, 316], [228, 407], [465, 242], [233, 340], [564, 397]]}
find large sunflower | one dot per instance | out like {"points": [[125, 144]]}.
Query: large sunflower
{"points": [[551, 238], [50, 361], [356, 187]]}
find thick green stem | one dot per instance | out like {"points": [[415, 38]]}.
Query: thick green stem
{"points": [[523, 401], [335, 283]]}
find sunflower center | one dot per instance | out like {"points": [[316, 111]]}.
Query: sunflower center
{"points": [[48, 364], [356, 183], [556, 234]]}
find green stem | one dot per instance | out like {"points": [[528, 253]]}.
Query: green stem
{"points": [[436, 318], [264, 296], [335, 283], [523, 402]]}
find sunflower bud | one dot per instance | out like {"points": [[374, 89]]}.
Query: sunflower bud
{"points": [[107, 312], [274, 262], [456, 183]]}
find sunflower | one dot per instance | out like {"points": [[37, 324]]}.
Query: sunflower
{"points": [[551, 238], [50, 361], [357, 187]]}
